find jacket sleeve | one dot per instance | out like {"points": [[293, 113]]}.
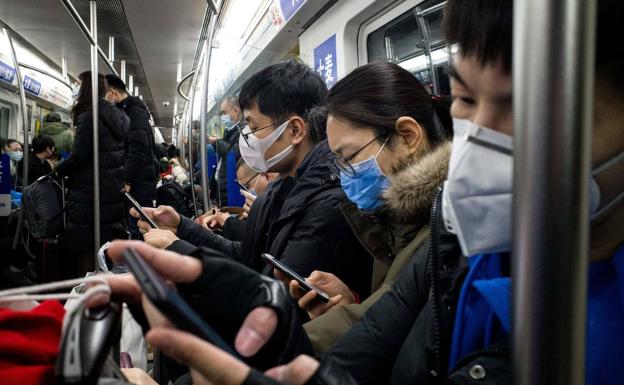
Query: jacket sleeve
{"points": [[234, 229], [222, 147], [82, 148], [368, 351], [195, 234], [139, 147]]}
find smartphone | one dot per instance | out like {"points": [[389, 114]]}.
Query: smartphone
{"points": [[305, 286], [170, 303], [242, 186], [138, 208]]}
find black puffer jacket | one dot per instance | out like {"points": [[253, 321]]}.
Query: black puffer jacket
{"points": [[298, 220], [113, 126], [140, 167], [405, 337]]}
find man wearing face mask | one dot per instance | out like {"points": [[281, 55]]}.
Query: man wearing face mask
{"points": [[141, 166], [298, 219], [232, 121]]}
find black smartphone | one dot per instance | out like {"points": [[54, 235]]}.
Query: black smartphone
{"points": [[170, 303], [138, 208], [305, 286], [242, 186]]}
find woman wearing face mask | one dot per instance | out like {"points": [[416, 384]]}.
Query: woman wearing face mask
{"points": [[42, 151], [17, 155], [389, 139], [112, 129]]}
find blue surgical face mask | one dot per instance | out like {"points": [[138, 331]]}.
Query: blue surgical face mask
{"points": [[16, 155], [366, 187], [226, 120]]}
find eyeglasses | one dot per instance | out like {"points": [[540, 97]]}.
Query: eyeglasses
{"points": [[245, 135], [342, 164]]}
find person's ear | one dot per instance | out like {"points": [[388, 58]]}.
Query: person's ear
{"points": [[298, 129], [411, 132]]}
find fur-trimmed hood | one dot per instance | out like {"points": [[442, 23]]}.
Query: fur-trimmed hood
{"points": [[413, 189]]}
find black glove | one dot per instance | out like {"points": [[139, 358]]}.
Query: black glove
{"points": [[226, 292]]}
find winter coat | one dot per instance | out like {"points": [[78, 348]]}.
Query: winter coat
{"points": [[405, 337], [223, 148], [140, 170], [392, 237], [113, 126], [63, 138], [37, 168], [298, 221]]}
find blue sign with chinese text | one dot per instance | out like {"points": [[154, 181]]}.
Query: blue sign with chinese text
{"points": [[31, 85], [289, 7], [325, 61], [7, 73], [5, 185]]}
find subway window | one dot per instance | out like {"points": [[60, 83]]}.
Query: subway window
{"points": [[415, 41]]}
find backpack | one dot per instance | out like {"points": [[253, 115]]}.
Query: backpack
{"points": [[172, 194], [43, 207]]}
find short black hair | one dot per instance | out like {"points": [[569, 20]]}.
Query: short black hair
{"points": [[116, 83], [482, 28], [283, 89], [52, 117], [41, 142]]}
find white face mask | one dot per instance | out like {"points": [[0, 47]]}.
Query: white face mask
{"points": [[477, 197], [253, 153]]}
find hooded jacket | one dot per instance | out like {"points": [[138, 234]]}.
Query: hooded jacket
{"points": [[391, 236], [298, 221], [140, 164], [63, 138], [113, 126]]}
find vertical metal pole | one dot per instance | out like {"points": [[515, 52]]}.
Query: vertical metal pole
{"points": [[111, 49], [204, 116], [64, 68], [190, 132], [123, 71], [553, 90], [130, 84], [23, 108], [424, 29], [96, 148]]}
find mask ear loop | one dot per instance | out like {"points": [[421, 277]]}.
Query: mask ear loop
{"points": [[382, 147]]}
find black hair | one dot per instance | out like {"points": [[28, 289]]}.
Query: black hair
{"points": [[11, 141], [610, 56], [41, 142], [52, 117], [376, 95], [83, 103], [482, 28], [116, 83], [283, 89], [317, 124]]}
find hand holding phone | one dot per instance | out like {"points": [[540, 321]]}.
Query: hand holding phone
{"points": [[170, 303], [303, 284], [138, 208]]}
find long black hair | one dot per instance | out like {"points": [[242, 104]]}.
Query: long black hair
{"points": [[376, 95], [83, 103]]}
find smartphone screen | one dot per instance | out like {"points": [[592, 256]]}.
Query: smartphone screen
{"points": [[242, 186], [305, 286], [170, 303], [138, 208]]}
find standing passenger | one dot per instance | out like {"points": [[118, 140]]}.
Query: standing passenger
{"points": [[62, 136], [112, 129], [140, 172]]}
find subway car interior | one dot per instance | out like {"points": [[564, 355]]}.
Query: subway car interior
{"points": [[297, 192]]}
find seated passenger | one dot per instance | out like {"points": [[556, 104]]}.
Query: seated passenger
{"points": [[17, 155], [112, 130], [411, 335], [42, 151], [298, 219]]}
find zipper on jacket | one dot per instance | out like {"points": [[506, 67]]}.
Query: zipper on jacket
{"points": [[434, 244]]}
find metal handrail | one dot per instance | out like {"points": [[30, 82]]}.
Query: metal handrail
{"points": [[184, 78], [553, 67], [95, 114], [87, 33], [28, 66], [203, 120]]}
